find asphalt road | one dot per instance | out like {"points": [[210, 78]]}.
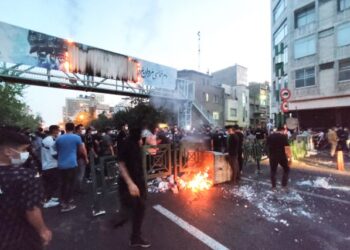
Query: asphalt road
{"points": [[314, 214]]}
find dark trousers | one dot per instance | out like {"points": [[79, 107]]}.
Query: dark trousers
{"points": [[283, 161], [67, 184], [50, 182], [133, 208], [233, 161]]}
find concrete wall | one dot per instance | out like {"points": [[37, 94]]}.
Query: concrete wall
{"points": [[234, 75]]}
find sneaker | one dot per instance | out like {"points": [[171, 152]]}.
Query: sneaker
{"points": [[139, 242], [51, 203], [55, 199], [68, 208]]}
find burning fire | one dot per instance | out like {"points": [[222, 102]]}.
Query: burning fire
{"points": [[199, 182]]}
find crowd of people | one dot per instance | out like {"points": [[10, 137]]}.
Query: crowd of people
{"points": [[47, 168]]}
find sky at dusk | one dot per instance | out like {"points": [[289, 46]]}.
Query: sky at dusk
{"points": [[161, 31]]}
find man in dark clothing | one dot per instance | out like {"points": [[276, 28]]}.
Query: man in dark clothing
{"points": [[232, 148], [121, 137], [21, 222], [260, 133], [240, 135], [276, 143], [132, 187], [106, 143], [218, 141]]}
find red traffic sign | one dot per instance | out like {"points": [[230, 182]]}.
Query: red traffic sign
{"points": [[285, 94], [284, 107]]}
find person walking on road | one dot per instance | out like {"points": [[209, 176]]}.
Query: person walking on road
{"points": [[21, 222], [68, 146], [276, 145], [132, 188]]}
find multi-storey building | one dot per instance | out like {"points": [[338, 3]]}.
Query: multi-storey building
{"points": [[233, 75], [259, 102], [208, 104], [84, 103], [311, 57]]}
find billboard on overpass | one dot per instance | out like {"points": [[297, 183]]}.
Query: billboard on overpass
{"points": [[28, 47]]}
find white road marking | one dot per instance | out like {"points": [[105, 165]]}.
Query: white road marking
{"points": [[302, 192], [210, 242]]}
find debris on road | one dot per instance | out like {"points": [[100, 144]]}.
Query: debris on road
{"points": [[322, 182]]}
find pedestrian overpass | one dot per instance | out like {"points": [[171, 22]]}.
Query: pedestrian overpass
{"points": [[33, 58]]}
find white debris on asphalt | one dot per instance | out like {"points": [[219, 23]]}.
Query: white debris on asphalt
{"points": [[322, 182], [161, 185], [273, 205]]}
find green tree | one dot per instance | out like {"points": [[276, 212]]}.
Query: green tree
{"points": [[141, 114], [13, 111]]}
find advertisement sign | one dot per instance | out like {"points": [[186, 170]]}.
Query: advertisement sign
{"points": [[28, 47]]}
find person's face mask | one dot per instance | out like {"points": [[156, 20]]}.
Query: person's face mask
{"points": [[94, 132], [23, 157], [126, 127], [83, 132]]}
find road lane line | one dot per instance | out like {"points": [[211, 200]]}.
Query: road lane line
{"points": [[206, 239], [302, 192]]}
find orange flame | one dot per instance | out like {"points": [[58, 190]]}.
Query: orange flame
{"points": [[199, 182]]}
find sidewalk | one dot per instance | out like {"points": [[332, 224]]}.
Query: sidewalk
{"points": [[323, 159]]}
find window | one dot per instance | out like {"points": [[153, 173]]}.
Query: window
{"points": [[216, 116], [323, 1], [233, 112], [304, 47], [344, 70], [305, 16], [325, 66], [325, 33], [216, 99], [343, 4], [285, 55], [280, 34], [305, 77], [205, 97], [278, 10], [343, 35]]}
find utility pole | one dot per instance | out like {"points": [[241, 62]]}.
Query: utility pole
{"points": [[199, 50]]}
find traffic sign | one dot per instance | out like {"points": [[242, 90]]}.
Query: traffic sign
{"points": [[285, 94], [284, 107]]}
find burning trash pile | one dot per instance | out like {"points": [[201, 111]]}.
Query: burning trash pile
{"points": [[195, 182]]}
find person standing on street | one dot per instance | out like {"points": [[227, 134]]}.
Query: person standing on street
{"points": [[333, 140], [121, 137], [67, 146], [132, 187], [276, 145], [79, 181], [21, 222], [232, 148], [50, 173], [240, 135]]}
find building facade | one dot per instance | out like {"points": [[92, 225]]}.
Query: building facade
{"points": [[259, 103], [83, 103], [208, 104], [311, 58], [236, 105], [233, 75]]}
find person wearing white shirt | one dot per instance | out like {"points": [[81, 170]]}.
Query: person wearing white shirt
{"points": [[49, 166]]}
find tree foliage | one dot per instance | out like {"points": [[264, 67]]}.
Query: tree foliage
{"points": [[140, 115], [13, 111]]}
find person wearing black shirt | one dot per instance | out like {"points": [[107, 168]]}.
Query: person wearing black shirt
{"points": [[121, 137], [218, 141], [232, 148], [240, 135], [260, 133], [21, 195], [276, 143], [132, 188]]}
